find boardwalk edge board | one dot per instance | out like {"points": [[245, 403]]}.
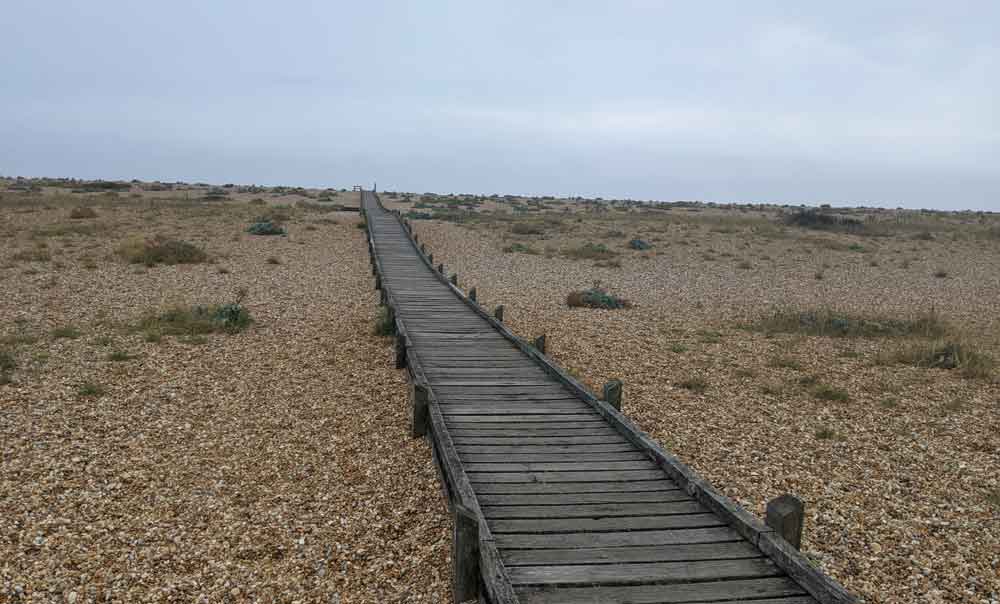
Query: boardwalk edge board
{"points": [[494, 577]]}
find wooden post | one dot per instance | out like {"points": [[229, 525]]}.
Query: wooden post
{"points": [[416, 238], [613, 394], [540, 343], [441, 268], [383, 299], [472, 294], [498, 313], [421, 415], [430, 258], [391, 317], [423, 249], [400, 350], [785, 514], [378, 281], [454, 279], [465, 555]]}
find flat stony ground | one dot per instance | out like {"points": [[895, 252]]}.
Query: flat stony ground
{"points": [[900, 481], [269, 465]]}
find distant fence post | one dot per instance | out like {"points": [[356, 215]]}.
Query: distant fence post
{"points": [[540, 343], [454, 279], [498, 313], [441, 268], [613, 394], [785, 514], [472, 294], [418, 399], [465, 555], [430, 258]]}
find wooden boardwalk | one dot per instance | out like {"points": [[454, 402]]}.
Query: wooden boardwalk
{"points": [[557, 497]]}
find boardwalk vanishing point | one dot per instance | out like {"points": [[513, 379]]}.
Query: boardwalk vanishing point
{"points": [[556, 496]]}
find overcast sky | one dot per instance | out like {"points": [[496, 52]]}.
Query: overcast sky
{"points": [[852, 102]]}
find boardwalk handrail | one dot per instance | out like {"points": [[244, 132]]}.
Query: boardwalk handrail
{"points": [[817, 583], [492, 576]]}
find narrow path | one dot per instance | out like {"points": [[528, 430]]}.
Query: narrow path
{"points": [[577, 510]]}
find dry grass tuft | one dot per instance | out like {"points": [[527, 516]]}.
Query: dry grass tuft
{"points": [[160, 250]]}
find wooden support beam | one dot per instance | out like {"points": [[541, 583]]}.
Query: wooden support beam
{"points": [[465, 555], [498, 313], [540, 343], [400, 350], [785, 514], [613, 394], [421, 413]]}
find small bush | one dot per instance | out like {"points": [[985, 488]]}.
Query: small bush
{"points": [[785, 362], [832, 323], [118, 356], [266, 228], [160, 250], [90, 389], [528, 228], [68, 333], [198, 320], [823, 221], [596, 297], [590, 251], [947, 354], [35, 255], [695, 384], [640, 244], [362, 225], [7, 361], [520, 248], [829, 393], [273, 260], [825, 433], [384, 325], [82, 212], [941, 274]]}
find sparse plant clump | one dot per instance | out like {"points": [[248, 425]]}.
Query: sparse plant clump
{"points": [[695, 384], [640, 244], [824, 221], [35, 255], [947, 354], [67, 332], [7, 361], [590, 251], [197, 320], [831, 323], [82, 212], [266, 227], [520, 248], [528, 228], [90, 390], [596, 297], [830, 393], [160, 250], [384, 324]]}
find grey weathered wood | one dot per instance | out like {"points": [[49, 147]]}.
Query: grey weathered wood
{"points": [[785, 514], [465, 554], [613, 394], [498, 313], [400, 350], [540, 343], [772, 590], [419, 402], [655, 572], [472, 294], [727, 550]]}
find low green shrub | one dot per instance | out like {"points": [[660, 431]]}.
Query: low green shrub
{"points": [[160, 250], [266, 228], [640, 244], [596, 297]]}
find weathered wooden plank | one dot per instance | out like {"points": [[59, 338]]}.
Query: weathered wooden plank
{"points": [[654, 572], [615, 539], [598, 510], [592, 476], [545, 448], [528, 457], [525, 431], [598, 525], [574, 487], [559, 466], [773, 590], [486, 499], [729, 550], [554, 440]]}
